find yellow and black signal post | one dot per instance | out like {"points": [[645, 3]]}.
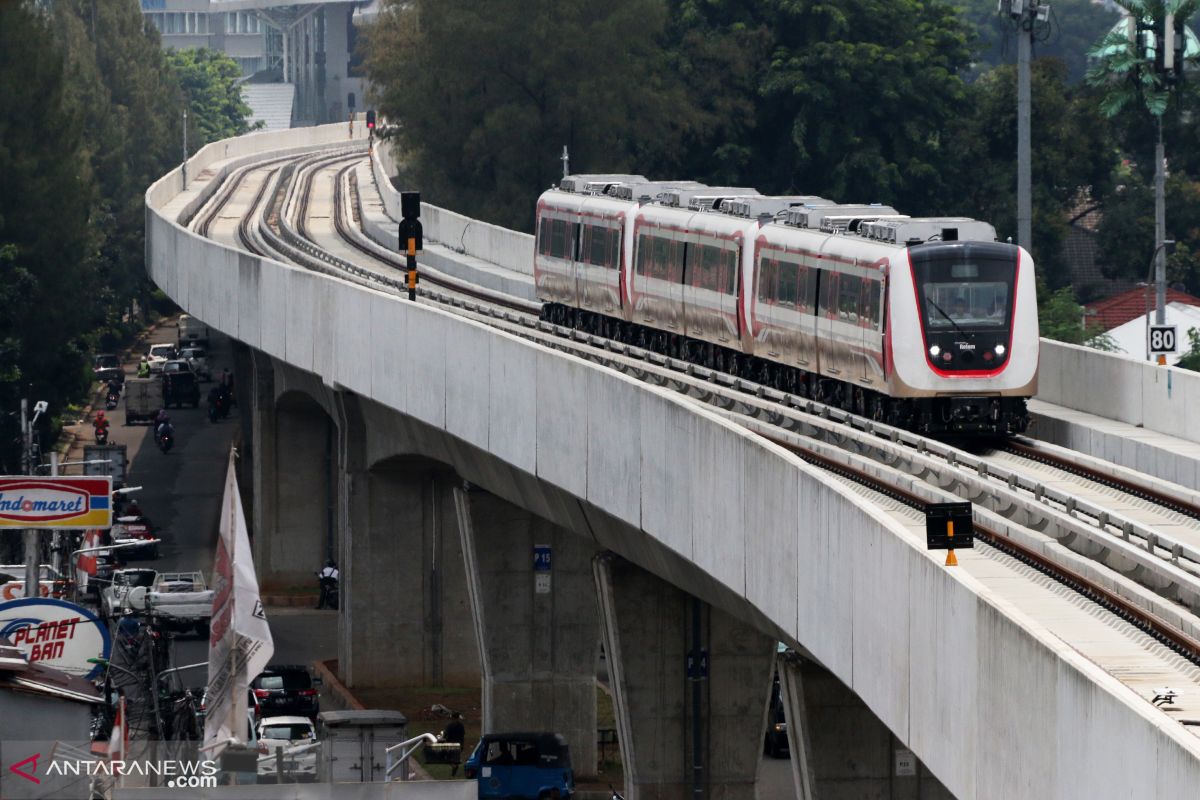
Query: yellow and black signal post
{"points": [[949, 526], [410, 236]]}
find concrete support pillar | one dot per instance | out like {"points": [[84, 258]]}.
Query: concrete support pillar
{"points": [[799, 727], [262, 446], [673, 737], [840, 749], [537, 624], [405, 615], [304, 501]]}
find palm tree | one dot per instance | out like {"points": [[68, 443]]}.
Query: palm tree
{"points": [[1125, 63], [1124, 58]]}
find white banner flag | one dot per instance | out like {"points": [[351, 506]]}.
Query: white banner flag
{"points": [[240, 643]]}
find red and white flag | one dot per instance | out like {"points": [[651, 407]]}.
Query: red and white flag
{"points": [[118, 740], [240, 643]]}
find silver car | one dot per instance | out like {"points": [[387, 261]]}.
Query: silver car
{"points": [[197, 357]]}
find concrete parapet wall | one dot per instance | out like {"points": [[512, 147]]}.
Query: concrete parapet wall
{"points": [[1163, 399], [991, 702], [506, 248]]}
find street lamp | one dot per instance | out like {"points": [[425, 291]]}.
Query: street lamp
{"points": [[1169, 246]]}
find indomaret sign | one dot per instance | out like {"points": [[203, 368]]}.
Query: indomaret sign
{"points": [[64, 502]]}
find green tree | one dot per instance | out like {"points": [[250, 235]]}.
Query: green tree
{"points": [[855, 97], [128, 105], [1191, 359], [211, 83], [45, 274], [1060, 317], [485, 95], [1071, 150]]}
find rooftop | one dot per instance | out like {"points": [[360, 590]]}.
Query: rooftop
{"points": [[1120, 308]]}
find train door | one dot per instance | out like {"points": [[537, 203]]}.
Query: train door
{"points": [[832, 360]]}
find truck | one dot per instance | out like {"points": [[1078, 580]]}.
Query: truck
{"points": [[192, 331], [354, 744], [143, 399], [115, 454], [178, 601]]}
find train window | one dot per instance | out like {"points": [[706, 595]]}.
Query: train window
{"points": [[871, 305], [614, 249], [709, 274], [804, 289], [676, 253], [768, 277], [730, 260], [643, 253], [558, 239], [788, 274], [595, 244], [658, 264], [544, 226], [849, 289], [827, 302]]}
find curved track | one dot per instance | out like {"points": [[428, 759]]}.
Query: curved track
{"points": [[1109, 562]]}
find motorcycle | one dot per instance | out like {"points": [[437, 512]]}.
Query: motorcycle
{"points": [[165, 437], [218, 407], [111, 400], [615, 794], [102, 434], [329, 592]]}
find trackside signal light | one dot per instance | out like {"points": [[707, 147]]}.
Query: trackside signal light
{"points": [[370, 119]]}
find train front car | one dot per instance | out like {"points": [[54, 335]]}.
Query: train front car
{"points": [[963, 329]]}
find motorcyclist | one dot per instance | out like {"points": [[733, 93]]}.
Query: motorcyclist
{"points": [[100, 424], [114, 387], [328, 579], [162, 423], [143, 368]]}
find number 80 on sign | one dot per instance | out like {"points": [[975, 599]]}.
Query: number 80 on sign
{"points": [[1163, 339]]}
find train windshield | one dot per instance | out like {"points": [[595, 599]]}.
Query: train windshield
{"points": [[965, 286]]}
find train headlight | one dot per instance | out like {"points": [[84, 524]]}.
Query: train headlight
{"points": [[999, 349], [934, 350]]}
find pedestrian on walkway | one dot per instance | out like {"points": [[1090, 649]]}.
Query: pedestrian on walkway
{"points": [[456, 733], [143, 368]]}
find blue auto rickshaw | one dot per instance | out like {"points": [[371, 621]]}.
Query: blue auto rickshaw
{"points": [[530, 766]]}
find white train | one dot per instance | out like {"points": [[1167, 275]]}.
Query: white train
{"points": [[926, 323]]}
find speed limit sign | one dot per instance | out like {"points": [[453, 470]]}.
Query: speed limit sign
{"points": [[1162, 339]]}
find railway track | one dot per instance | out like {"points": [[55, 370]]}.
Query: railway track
{"points": [[1145, 577]]}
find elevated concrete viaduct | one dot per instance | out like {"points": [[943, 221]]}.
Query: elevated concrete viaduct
{"points": [[448, 435]]}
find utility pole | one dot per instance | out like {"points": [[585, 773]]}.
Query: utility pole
{"points": [[30, 535], [1160, 229], [1026, 13], [185, 155]]}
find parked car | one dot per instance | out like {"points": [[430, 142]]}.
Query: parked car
{"points": [[197, 358], [107, 367], [113, 597], [192, 331], [287, 689], [287, 732], [159, 355], [179, 385], [522, 765]]}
